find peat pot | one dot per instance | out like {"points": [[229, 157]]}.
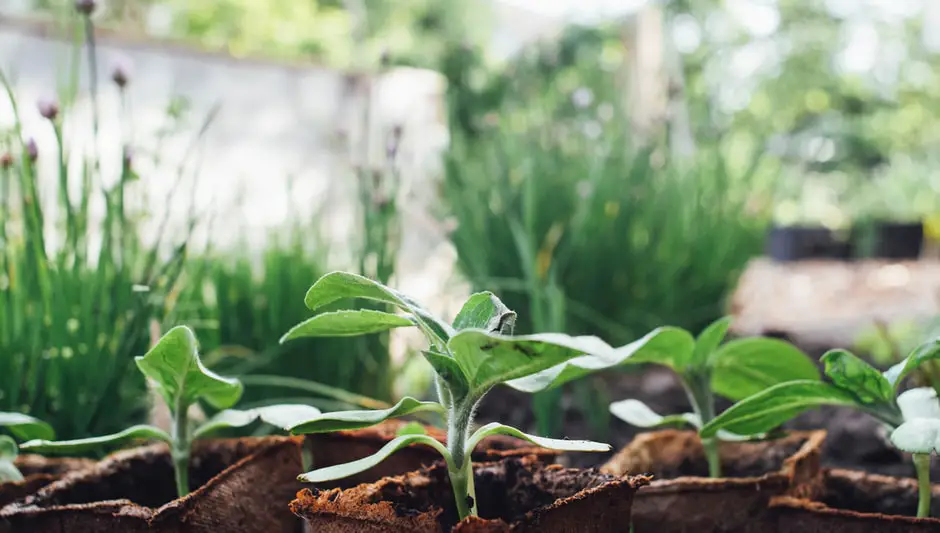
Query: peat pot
{"points": [[682, 498], [518, 494], [857, 502], [796, 243], [38, 471]]}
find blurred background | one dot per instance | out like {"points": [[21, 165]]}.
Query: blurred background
{"points": [[605, 167]]}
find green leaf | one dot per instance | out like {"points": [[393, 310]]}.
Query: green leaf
{"points": [[925, 352], [25, 427], [8, 470], [337, 286], [179, 375], [488, 359], [347, 420], [283, 416], [772, 407], [744, 367], [361, 465], [672, 347], [79, 446], [450, 372], [708, 341], [347, 323], [484, 310], [850, 373], [411, 428], [658, 345], [637, 413], [495, 428]]}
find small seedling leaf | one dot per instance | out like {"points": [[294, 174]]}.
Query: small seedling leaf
{"points": [[496, 428], [919, 403], [637, 413], [361, 465], [920, 435], [484, 310], [347, 323], [709, 340], [79, 446], [337, 286], [8, 470], [450, 372], [25, 427], [412, 428], [773, 406], [283, 416], [348, 420], [744, 367], [850, 373], [925, 352], [658, 345], [179, 375]]}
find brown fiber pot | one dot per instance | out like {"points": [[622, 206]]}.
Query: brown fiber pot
{"points": [[345, 446], [518, 494], [241, 485], [681, 498], [856, 502], [38, 471]]}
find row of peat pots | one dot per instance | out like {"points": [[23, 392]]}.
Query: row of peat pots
{"points": [[657, 483], [880, 240]]}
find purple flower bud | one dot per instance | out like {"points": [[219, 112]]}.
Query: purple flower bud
{"points": [[121, 72], [6, 160], [31, 149], [85, 7], [48, 108]]}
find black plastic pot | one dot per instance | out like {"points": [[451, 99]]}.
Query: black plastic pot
{"points": [[796, 243], [898, 240]]}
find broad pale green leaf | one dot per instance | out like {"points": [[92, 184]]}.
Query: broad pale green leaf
{"points": [[361, 465], [772, 407], [25, 427], [637, 413], [925, 352], [919, 435], [79, 446], [179, 375], [672, 347], [337, 286], [488, 359], [709, 340], [484, 310], [919, 403], [495, 428], [347, 420], [450, 372], [850, 373], [8, 470], [347, 323], [658, 344], [283, 416], [744, 367]]}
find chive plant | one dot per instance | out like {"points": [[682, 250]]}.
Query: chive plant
{"points": [[469, 356], [912, 417], [706, 367], [182, 380]]}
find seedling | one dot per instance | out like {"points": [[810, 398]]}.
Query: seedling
{"points": [[913, 417], [22, 427], [469, 357], [181, 379], [706, 368]]}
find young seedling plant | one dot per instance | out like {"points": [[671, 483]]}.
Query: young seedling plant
{"points": [[174, 366], [23, 427], [469, 357], [706, 367], [912, 417]]}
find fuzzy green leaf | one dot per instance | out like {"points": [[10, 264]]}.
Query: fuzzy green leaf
{"points": [[25, 427], [337, 286], [484, 310], [361, 465], [659, 344], [450, 372], [920, 435], [8, 470], [850, 373], [495, 428], [348, 420], [179, 375], [670, 346], [637, 413], [347, 323], [772, 407], [925, 352], [283, 416], [744, 367], [79, 446], [709, 340]]}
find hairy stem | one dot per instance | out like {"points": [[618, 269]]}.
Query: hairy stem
{"points": [[922, 465], [698, 388], [461, 479], [179, 449]]}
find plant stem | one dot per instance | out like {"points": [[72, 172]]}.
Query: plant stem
{"points": [[698, 388], [465, 495], [461, 479], [179, 449], [922, 465]]}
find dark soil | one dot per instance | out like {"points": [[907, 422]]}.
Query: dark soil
{"points": [[872, 495]]}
